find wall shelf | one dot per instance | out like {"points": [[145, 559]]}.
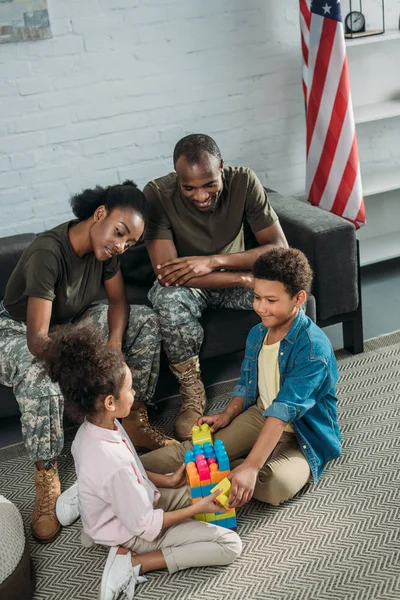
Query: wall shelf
{"points": [[389, 35], [377, 249], [377, 111], [380, 181]]}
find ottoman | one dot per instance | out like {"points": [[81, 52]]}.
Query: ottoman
{"points": [[16, 571]]}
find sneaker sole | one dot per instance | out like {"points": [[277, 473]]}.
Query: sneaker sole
{"points": [[110, 559]]}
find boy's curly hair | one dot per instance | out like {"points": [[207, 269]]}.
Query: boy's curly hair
{"points": [[85, 369], [289, 266]]}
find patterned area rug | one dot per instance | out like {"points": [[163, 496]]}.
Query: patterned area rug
{"points": [[340, 539]]}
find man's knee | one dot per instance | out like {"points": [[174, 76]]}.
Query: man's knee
{"points": [[166, 300]]}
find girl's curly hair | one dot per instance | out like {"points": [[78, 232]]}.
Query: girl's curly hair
{"points": [[84, 367], [289, 266], [126, 194]]}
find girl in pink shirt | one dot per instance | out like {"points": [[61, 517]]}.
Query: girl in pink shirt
{"points": [[144, 517]]}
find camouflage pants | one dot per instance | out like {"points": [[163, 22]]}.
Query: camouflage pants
{"points": [[179, 310], [40, 400]]}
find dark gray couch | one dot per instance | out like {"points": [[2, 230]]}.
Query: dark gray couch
{"points": [[329, 243]]}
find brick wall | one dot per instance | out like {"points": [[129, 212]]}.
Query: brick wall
{"points": [[122, 80]]}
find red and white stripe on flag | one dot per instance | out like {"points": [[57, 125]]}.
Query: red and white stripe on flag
{"points": [[333, 179]]}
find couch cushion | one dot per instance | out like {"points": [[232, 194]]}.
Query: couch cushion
{"points": [[11, 249]]}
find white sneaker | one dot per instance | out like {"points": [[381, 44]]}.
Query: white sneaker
{"points": [[67, 509], [119, 576]]}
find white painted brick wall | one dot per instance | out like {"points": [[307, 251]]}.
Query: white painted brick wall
{"points": [[122, 80]]}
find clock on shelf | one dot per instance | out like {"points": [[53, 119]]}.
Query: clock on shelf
{"points": [[358, 23]]}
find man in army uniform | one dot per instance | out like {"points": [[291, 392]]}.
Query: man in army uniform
{"points": [[195, 239]]}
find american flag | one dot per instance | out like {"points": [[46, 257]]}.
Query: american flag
{"points": [[333, 179]]}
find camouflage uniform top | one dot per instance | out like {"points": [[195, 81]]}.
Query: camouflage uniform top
{"points": [[173, 217], [50, 269]]}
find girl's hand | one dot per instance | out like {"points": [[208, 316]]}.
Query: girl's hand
{"points": [[215, 422], [243, 480], [175, 480], [208, 504]]}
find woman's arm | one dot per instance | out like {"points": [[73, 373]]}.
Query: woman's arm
{"points": [[118, 309], [38, 318]]}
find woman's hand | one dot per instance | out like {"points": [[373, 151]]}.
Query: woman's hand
{"points": [[174, 480], [243, 480], [218, 421]]}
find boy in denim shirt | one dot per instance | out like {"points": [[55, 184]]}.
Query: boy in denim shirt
{"points": [[280, 427]]}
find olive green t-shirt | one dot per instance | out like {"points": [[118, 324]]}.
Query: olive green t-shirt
{"points": [[195, 233], [50, 269]]}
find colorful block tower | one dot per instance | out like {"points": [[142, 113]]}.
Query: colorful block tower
{"points": [[207, 464]]}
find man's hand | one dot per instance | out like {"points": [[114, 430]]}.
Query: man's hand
{"points": [[174, 480], [178, 271], [216, 422], [243, 480]]}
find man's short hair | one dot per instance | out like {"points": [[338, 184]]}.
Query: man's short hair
{"points": [[193, 146], [289, 266]]}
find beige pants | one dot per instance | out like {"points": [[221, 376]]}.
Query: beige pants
{"points": [[283, 475], [190, 543]]}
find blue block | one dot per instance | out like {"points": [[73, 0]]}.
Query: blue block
{"points": [[222, 523], [230, 523], [219, 444], [223, 460], [189, 457], [207, 489], [196, 492], [197, 449]]}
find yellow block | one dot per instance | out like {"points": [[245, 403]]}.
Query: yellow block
{"points": [[225, 484], [202, 434]]}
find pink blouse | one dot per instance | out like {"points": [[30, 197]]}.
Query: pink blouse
{"points": [[116, 498]]}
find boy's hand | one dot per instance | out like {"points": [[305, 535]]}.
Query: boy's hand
{"points": [[215, 422], [174, 480], [208, 504], [243, 480]]}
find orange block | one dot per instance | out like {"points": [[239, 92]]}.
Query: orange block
{"points": [[192, 475]]}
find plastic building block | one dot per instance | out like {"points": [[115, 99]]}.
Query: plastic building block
{"points": [[201, 435], [206, 489], [222, 499], [216, 475], [207, 468], [196, 492], [189, 457], [192, 475], [227, 515], [222, 457]]}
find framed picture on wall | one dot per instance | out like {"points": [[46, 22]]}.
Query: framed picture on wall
{"points": [[24, 21]]}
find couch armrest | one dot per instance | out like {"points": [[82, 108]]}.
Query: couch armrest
{"points": [[330, 244], [11, 249]]}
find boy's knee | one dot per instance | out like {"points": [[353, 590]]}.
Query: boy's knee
{"points": [[275, 488]]}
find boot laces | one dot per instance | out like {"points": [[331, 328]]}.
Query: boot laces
{"points": [[47, 492], [153, 433], [192, 392]]}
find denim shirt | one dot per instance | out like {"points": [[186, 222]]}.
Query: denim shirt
{"points": [[307, 397]]}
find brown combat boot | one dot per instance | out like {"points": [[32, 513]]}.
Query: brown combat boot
{"points": [[45, 525], [193, 396], [142, 435]]}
